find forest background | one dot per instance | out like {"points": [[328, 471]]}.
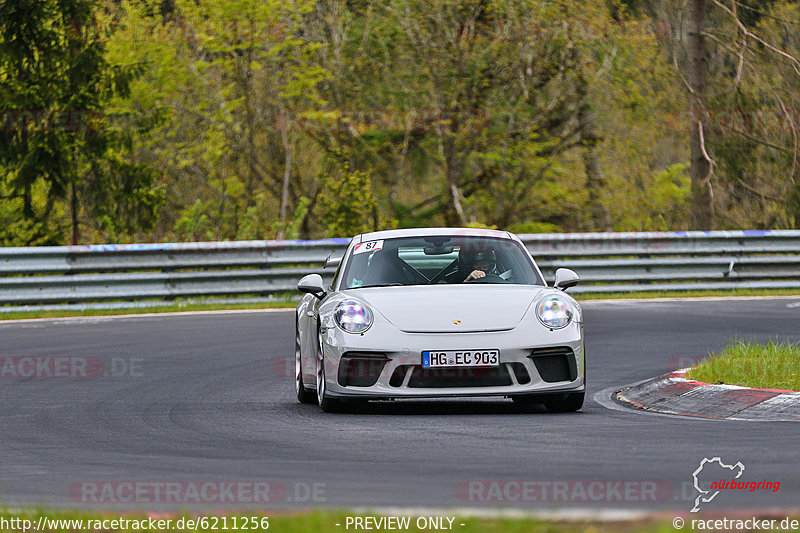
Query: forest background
{"points": [[197, 120]]}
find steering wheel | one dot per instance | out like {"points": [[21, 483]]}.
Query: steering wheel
{"points": [[490, 277]]}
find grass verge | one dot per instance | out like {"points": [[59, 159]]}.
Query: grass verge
{"points": [[175, 308], [749, 364], [317, 522]]}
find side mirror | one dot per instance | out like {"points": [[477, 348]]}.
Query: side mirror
{"points": [[312, 284], [331, 261], [565, 278]]}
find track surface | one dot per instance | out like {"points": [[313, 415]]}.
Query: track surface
{"points": [[211, 397]]}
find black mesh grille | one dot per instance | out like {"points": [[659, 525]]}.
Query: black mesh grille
{"points": [[555, 364], [459, 377], [360, 369], [521, 373], [397, 376]]}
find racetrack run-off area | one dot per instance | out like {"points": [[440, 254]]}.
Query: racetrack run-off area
{"points": [[199, 410], [673, 393]]}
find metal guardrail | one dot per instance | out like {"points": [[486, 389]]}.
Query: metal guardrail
{"points": [[95, 273], [672, 261], [606, 262]]}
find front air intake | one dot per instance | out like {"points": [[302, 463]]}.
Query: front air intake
{"points": [[555, 364], [361, 369]]}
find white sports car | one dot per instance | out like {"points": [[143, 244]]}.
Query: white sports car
{"points": [[439, 312]]}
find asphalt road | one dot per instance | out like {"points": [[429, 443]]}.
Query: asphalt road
{"points": [[183, 401]]}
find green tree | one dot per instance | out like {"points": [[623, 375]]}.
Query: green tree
{"points": [[349, 207], [233, 78], [55, 86], [451, 105], [739, 64]]}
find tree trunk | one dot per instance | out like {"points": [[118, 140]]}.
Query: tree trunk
{"points": [[27, 202], [76, 237], [702, 213], [595, 180], [453, 172], [287, 172]]}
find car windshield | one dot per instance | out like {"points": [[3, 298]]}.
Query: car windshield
{"points": [[437, 260]]}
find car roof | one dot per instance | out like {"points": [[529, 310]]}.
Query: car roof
{"points": [[430, 232]]}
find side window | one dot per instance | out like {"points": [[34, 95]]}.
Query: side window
{"points": [[336, 276], [357, 270]]}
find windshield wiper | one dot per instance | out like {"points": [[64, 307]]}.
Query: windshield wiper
{"points": [[380, 285]]}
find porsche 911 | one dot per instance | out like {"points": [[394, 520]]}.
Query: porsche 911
{"points": [[438, 313]]}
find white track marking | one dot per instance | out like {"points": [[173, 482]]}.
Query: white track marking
{"points": [[687, 299], [567, 515], [103, 318]]}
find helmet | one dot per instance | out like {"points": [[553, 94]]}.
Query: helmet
{"points": [[469, 259]]}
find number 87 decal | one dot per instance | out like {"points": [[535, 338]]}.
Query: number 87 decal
{"points": [[370, 246]]}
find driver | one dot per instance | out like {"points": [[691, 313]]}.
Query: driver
{"points": [[478, 264]]}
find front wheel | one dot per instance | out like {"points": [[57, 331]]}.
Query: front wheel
{"points": [[565, 403], [554, 403], [325, 402], [528, 401], [303, 394]]}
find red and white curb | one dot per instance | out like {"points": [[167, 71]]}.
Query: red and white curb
{"points": [[674, 394]]}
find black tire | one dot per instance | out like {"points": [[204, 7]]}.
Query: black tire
{"points": [[528, 401], [304, 395], [564, 403], [325, 402]]}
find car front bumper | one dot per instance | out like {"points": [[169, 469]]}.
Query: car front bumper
{"points": [[387, 364]]}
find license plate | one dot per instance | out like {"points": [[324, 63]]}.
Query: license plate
{"points": [[461, 358]]}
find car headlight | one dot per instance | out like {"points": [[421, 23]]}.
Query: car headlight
{"points": [[554, 312], [353, 317]]}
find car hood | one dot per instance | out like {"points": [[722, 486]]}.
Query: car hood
{"points": [[451, 308]]}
